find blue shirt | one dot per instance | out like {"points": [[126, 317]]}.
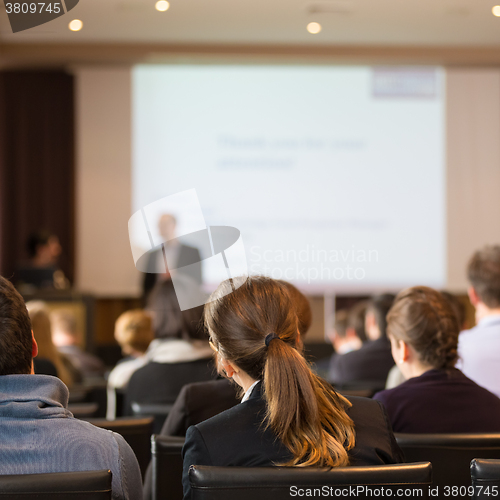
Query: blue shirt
{"points": [[479, 353], [38, 435]]}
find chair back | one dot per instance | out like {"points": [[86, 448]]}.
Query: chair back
{"points": [[158, 411], [136, 431], [450, 454], [167, 467], [485, 475], [282, 483], [87, 485]]}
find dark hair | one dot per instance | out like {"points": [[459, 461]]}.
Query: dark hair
{"points": [[380, 305], [483, 272], [356, 319], [15, 332], [424, 318], [458, 307], [301, 305], [37, 239], [168, 319], [304, 412], [340, 323]]}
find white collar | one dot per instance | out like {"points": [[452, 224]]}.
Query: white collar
{"points": [[249, 391]]}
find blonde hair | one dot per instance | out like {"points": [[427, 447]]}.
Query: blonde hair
{"points": [[134, 331], [42, 330], [304, 412]]}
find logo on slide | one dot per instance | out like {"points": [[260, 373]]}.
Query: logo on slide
{"points": [[170, 237], [24, 15]]}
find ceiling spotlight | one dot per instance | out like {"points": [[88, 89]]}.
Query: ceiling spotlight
{"points": [[314, 28], [75, 25], [496, 10], [162, 5]]}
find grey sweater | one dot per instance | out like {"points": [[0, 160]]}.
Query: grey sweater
{"points": [[38, 434]]}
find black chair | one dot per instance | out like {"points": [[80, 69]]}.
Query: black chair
{"points": [[166, 467], [136, 431], [282, 483], [158, 411], [485, 475], [88, 485], [450, 454]]}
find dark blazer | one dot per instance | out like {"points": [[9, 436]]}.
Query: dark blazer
{"points": [[441, 401], [187, 255], [236, 437], [369, 365], [196, 402]]}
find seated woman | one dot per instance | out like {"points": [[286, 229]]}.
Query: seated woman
{"points": [[179, 354], [436, 398], [288, 415]]}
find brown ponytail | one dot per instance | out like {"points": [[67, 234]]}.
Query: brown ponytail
{"points": [[304, 412]]}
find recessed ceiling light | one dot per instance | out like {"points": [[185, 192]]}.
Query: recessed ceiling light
{"points": [[314, 28], [496, 10], [75, 25], [162, 5]]}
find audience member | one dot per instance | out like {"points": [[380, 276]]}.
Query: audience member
{"points": [[368, 366], [179, 355], [479, 347], [301, 420], [133, 332], [41, 271], [39, 434], [436, 398], [49, 361], [66, 337], [200, 401], [342, 335], [396, 376]]}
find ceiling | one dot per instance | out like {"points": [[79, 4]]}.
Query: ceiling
{"points": [[275, 22]]}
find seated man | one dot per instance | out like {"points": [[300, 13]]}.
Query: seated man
{"points": [[39, 434], [479, 347], [368, 366]]}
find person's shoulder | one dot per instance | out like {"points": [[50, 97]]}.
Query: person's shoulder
{"points": [[363, 406], [235, 419]]}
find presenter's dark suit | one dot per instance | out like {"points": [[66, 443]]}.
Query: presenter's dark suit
{"points": [[368, 365], [186, 255], [236, 437], [441, 401]]}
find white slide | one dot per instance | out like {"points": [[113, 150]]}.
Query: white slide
{"points": [[335, 176]]}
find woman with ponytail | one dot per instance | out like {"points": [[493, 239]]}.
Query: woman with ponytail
{"points": [[288, 415], [423, 328]]}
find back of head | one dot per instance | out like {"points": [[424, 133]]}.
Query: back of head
{"points": [[35, 240], [307, 415], [134, 331], [15, 332], [42, 331], [64, 324], [356, 319], [340, 323], [483, 272], [379, 305], [458, 307], [169, 322], [301, 305], [424, 319]]}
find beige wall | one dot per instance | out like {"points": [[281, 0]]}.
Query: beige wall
{"points": [[473, 166], [104, 260]]}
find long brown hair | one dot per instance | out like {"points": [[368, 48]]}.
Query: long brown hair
{"points": [[304, 412]]}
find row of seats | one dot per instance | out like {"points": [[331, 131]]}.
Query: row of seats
{"points": [[246, 483]]}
